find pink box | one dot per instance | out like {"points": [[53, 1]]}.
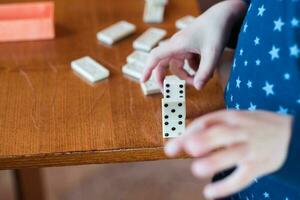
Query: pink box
{"points": [[27, 21]]}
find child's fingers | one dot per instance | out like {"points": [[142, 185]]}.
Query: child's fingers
{"points": [[164, 51], [238, 180], [206, 68], [218, 161], [215, 118], [201, 142], [160, 72], [173, 147], [176, 67]]}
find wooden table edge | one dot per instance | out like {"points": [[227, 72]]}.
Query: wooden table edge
{"points": [[84, 158]]}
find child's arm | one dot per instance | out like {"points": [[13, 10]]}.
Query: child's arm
{"points": [[206, 37], [290, 172]]}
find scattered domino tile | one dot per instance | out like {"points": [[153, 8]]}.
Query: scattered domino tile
{"points": [[149, 39], [163, 41], [153, 13], [138, 57], [150, 87], [157, 2], [116, 32], [184, 22], [27, 21], [188, 69], [133, 70], [89, 69]]}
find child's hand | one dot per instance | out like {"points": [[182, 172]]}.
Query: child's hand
{"points": [[207, 37], [255, 142]]}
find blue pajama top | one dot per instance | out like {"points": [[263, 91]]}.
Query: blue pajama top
{"points": [[265, 75]]}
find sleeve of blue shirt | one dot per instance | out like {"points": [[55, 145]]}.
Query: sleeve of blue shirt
{"points": [[290, 172]]}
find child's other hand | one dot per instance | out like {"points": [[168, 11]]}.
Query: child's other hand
{"points": [[256, 143], [207, 36]]}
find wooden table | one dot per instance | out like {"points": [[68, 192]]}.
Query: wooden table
{"points": [[50, 117]]}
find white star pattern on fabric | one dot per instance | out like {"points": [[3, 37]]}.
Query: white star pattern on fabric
{"points": [[265, 75], [238, 82], [234, 64], [282, 110], [252, 107], [257, 62], [241, 52], [249, 84], [256, 41], [250, 6], [261, 10], [294, 51], [295, 22], [245, 28], [268, 88], [278, 24], [287, 76], [274, 53], [266, 195]]}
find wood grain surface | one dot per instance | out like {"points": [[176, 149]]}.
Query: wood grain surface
{"points": [[50, 117]]}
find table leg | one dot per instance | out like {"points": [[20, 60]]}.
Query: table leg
{"points": [[29, 184]]}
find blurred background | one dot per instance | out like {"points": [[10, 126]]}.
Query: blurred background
{"points": [[134, 181]]}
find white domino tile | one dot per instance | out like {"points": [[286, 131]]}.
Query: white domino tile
{"points": [[173, 110], [173, 128], [157, 2], [184, 22], [153, 13], [138, 57], [116, 32], [134, 70], [188, 69], [149, 39], [89, 69], [150, 87], [174, 88]]}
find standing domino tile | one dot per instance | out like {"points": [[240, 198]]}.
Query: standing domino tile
{"points": [[174, 88], [173, 110], [173, 128], [150, 87], [173, 107], [116, 32], [173, 118], [138, 57], [134, 70], [149, 39], [184, 22], [89, 69], [153, 13]]}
